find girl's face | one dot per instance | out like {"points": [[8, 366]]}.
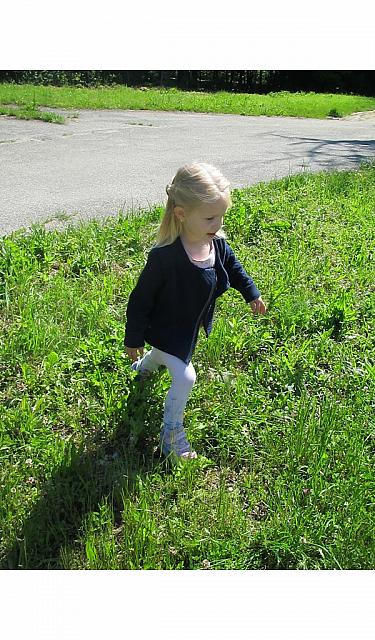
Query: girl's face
{"points": [[201, 223]]}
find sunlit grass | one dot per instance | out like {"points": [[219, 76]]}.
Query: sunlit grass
{"points": [[282, 413], [282, 103], [28, 112]]}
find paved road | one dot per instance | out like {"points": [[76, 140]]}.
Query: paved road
{"points": [[104, 161]]}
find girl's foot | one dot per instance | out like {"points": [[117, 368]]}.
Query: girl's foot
{"points": [[174, 441]]}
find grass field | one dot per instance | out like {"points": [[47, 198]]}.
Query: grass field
{"points": [[282, 413], [28, 98]]}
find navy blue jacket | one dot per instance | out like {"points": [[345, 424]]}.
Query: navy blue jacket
{"points": [[173, 297]]}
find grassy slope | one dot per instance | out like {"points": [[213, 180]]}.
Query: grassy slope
{"points": [[282, 411], [306, 105]]}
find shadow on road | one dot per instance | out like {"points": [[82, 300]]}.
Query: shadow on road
{"points": [[327, 153]]}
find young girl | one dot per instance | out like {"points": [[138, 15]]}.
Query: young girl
{"points": [[188, 268]]}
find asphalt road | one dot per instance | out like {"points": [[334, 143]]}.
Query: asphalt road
{"points": [[105, 161]]}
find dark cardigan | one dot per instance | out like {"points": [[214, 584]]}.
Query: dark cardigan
{"points": [[173, 297]]}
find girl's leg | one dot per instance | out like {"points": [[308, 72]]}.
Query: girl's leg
{"points": [[183, 379], [173, 437], [149, 362]]}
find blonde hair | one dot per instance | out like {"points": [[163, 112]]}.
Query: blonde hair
{"points": [[193, 185]]}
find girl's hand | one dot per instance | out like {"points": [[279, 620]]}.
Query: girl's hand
{"points": [[132, 352], [258, 306]]}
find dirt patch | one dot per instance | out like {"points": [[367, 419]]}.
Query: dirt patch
{"points": [[361, 115], [66, 113]]}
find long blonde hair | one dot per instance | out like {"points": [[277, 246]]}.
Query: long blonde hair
{"points": [[193, 185]]}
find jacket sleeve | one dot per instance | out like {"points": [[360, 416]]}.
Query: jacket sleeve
{"points": [[238, 278], [141, 301]]}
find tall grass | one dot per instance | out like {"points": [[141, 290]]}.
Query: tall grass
{"points": [[282, 413], [282, 103]]}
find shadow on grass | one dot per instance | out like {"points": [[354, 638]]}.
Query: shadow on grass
{"points": [[101, 468]]}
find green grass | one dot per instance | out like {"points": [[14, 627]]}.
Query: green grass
{"points": [[29, 112], [282, 413], [283, 103]]}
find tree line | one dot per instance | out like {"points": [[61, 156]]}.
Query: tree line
{"points": [[355, 82]]}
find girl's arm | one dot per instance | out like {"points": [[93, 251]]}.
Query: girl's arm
{"points": [[238, 277], [141, 301]]}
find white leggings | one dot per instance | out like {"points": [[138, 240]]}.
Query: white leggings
{"points": [[183, 378]]}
